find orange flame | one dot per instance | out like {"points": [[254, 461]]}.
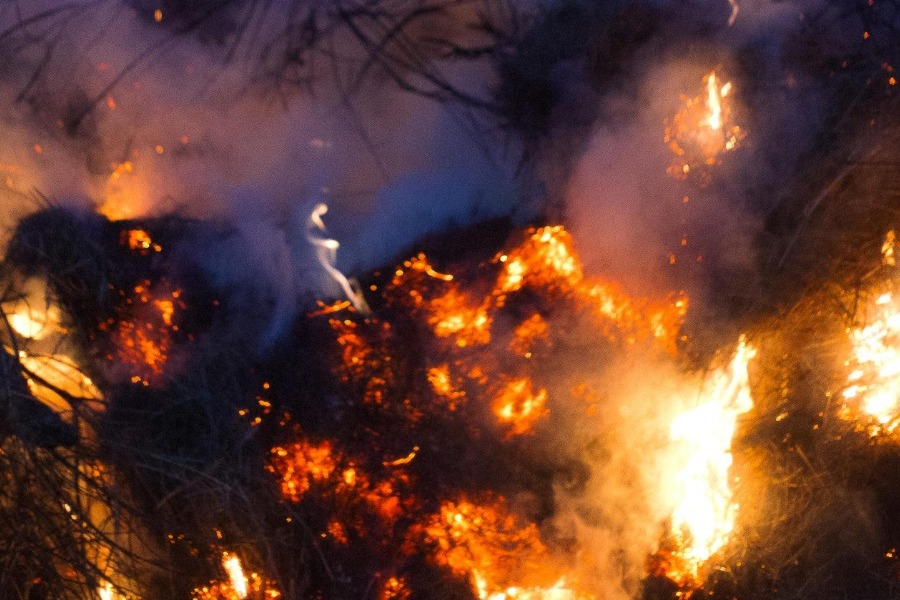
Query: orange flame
{"points": [[502, 559], [872, 392], [139, 240], [519, 406], [702, 130], [705, 511], [239, 585], [144, 342]]}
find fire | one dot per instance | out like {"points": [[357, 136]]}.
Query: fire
{"points": [[454, 316], [873, 385], [239, 585], [232, 565], [705, 511], [546, 258], [34, 323], [106, 592], [702, 130], [502, 559], [126, 193], [888, 249], [518, 405], [442, 384], [547, 262], [33, 315], [300, 465], [144, 340], [394, 589], [139, 240], [530, 334]]}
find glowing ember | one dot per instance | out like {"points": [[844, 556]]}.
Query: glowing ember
{"points": [[702, 130], [394, 589], [441, 383], [300, 465], [705, 510], [530, 334], [365, 359], [453, 316], [144, 341], [140, 241], [873, 385], [888, 249], [547, 262], [519, 406]]}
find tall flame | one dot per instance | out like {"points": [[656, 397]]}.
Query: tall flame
{"points": [[704, 516], [232, 565], [873, 385]]}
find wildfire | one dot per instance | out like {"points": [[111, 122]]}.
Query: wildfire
{"points": [[518, 405], [873, 385], [232, 565], [529, 335], [702, 130], [442, 384], [394, 589], [545, 259], [547, 262], [705, 511], [106, 592], [139, 240], [301, 466], [239, 586], [453, 315], [144, 341], [502, 559]]}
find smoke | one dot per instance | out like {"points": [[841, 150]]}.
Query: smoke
{"points": [[637, 224]]}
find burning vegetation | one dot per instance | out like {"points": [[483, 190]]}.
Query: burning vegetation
{"points": [[489, 418], [393, 485]]}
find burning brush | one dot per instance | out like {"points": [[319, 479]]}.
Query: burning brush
{"points": [[872, 393], [387, 491]]}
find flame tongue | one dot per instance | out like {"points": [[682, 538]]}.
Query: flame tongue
{"points": [[705, 512], [702, 130], [873, 385], [232, 566]]}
